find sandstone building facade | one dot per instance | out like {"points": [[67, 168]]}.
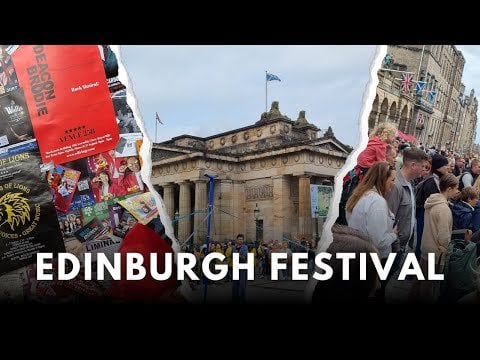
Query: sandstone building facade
{"points": [[449, 119], [268, 165]]}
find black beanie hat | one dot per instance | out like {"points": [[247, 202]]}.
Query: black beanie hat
{"points": [[438, 161]]}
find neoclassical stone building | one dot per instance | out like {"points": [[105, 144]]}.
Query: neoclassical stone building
{"points": [[269, 165]]}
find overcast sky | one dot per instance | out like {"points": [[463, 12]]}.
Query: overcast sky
{"points": [[471, 72], [204, 90]]}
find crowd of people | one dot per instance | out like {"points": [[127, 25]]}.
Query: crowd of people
{"points": [[262, 255], [404, 197]]}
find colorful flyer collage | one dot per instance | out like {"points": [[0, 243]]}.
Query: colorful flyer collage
{"points": [[68, 156]]}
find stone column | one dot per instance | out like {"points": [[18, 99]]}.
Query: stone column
{"points": [[185, 208], [169, 199], [304, 213], [201, 203], [227, 214], [238, 208], [280, 211]]}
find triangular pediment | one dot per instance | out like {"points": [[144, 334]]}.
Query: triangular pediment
{"points": [[331, 145]]}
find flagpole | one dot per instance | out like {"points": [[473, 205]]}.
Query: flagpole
{"points": [[418, 78], [420, 65], [266, 91], [156, 124]]}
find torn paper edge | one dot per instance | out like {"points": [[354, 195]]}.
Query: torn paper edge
{"points": [[368, 98], [145, 150]]}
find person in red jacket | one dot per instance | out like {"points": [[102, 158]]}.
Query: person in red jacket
{"points": [[145, 240], [376, 149]]}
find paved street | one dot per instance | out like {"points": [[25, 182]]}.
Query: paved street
{"points": [[259, 291], [265, 291]]}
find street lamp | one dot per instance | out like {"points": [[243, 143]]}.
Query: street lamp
{"points": [[175, 221], [317, 215], [256, 215]]}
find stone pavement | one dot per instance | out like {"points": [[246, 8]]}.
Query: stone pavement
{"points": [[266, 291], [259, 291]]}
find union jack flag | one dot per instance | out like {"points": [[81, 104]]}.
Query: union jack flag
{"points": [[406, 82]]}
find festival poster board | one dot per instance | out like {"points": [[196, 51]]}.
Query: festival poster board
{"points": [[68, 100]]}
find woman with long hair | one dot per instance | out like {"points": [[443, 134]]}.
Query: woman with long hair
{"points": [[367, 209]]}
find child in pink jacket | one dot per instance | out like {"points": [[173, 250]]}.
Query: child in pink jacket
{"points": [[376, 149]]}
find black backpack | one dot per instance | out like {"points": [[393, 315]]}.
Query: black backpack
{"points": [[352, 179], [460, 267]]}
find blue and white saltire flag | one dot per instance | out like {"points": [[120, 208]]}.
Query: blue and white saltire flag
{"points": [[432, 95], [419, 87], [271, 77]]}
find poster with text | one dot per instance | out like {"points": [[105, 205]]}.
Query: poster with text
{"points": [[28, 221], [63, 182], [68, 100], [320, 196], [15, 124], [8, 76]]}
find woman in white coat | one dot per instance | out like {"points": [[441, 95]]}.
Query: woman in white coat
{"points": [[367, 209], [368, 212]]}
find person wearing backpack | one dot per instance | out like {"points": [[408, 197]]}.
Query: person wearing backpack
{"points": [[376, 150]]}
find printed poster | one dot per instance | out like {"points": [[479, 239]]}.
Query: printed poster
{"points": [[127, 145], [142, 207], [8, 76], [110, 65], [28, 221], [83, 195], [15, 124], [63, 182], [125, 118], [68, 100], [320, 196]]}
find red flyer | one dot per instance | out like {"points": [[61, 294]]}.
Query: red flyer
{"points": [[68, 100]]}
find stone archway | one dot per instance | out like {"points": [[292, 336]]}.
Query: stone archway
{"points": [[392, 115], [383, 111], [411, 124], [403, 119], [373, 114]]}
